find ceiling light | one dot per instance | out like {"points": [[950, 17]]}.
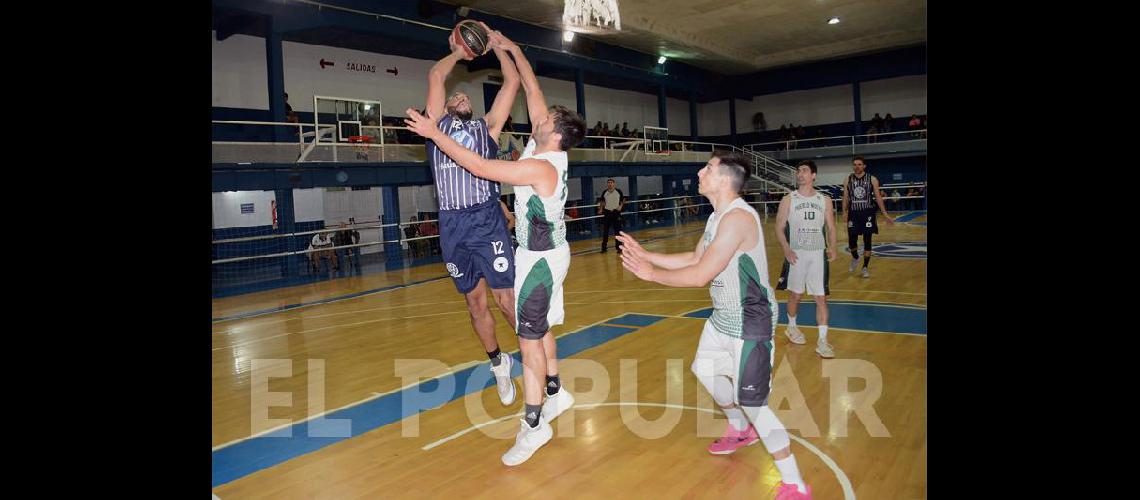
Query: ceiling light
{"points": [[661, 60], [567, 36], [834, 20]]}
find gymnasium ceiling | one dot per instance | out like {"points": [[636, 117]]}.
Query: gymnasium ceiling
{"points": [[736, 37]]}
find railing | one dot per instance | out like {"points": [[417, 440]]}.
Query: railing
{"points": [[307, 148], [854, 144]]}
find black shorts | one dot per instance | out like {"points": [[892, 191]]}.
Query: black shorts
{"points": [[862, 222], [476, 244]]}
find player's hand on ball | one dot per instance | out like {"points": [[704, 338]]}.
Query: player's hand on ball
{"points": [[457, 50], [420, 124], [790, 255], [634, 264]]}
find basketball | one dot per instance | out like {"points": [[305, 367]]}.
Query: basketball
{"points": [[471, 36]]}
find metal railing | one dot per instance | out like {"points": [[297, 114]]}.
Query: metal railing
{"points": [[854, 144]]}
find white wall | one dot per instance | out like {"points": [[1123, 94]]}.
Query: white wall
{"points": [[801, 107], [648, 184], [901, 97], [712, 118], [677, 116], [239, 78], [304, 78], [617, 106], [227, 209], [309, 205], [416, 199]]}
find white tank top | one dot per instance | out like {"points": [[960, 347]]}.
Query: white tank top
{"points": [[743, 284], [806, 221], [539, 223]]}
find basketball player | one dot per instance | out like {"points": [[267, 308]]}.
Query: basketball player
{"points": [[473, 232], [800, 229], [736, 351], [543, 257], [859, 211]]}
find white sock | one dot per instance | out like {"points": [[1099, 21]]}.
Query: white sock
{"points": [[791, 320], [822, 334], [790, 474], [736, 418]]}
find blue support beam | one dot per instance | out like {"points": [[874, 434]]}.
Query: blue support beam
{"points": [[393, 255]]}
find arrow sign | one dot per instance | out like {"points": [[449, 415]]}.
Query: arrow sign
{"points": [[325, 63], [395, 71]]}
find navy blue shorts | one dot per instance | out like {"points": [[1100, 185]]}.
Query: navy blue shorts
{"points": [[476, 244]]}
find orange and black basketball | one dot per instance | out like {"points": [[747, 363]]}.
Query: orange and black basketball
{"points": [[471, 36]]}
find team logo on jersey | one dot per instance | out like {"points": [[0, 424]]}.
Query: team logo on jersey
{"points": [[501, 264], [462, 137], [454, 271], [860, 191], [901, 250]]}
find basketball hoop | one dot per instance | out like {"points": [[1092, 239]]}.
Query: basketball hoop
{"points": [[591, 16], [360, 144]]}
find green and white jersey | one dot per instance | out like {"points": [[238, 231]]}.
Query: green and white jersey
{"points": [[744, 305], [539, 223], [806, 221]]}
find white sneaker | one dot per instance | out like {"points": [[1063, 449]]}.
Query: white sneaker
{"points": [[824, 350], [556, 404], [528, 441], [866, 273], [854, 265], [506, 385], [795, 335]]}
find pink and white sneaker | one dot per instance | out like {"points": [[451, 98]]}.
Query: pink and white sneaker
{"points": [[734, 439], [791, 492]]}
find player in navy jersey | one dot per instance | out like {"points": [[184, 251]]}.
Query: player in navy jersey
{"points": [[472, 230]]}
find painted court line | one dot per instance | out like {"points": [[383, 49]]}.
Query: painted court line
{"points": [[844, 481]]}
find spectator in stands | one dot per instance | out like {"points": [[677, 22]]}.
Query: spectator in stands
{"points": [[895, 196], [783, 132], [322, 245], [413, 231], [510, 146], [597, 129], [625, 129], [343, 238], [877, 121], [872, 133], [429, 228], [887, 123], [290, 116], [914, 124]]}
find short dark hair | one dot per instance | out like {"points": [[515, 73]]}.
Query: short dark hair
{"points": [[570, 125], [858, 158], [611, 179], [737, 167], [810, 164]]}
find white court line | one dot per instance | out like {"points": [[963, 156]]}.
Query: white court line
{"points": [[844, 481], [453, 370]]}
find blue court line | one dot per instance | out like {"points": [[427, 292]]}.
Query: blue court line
{"points": [[854, 315], [636, 320], [353, 295], [246, 457], [911, 216]]}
